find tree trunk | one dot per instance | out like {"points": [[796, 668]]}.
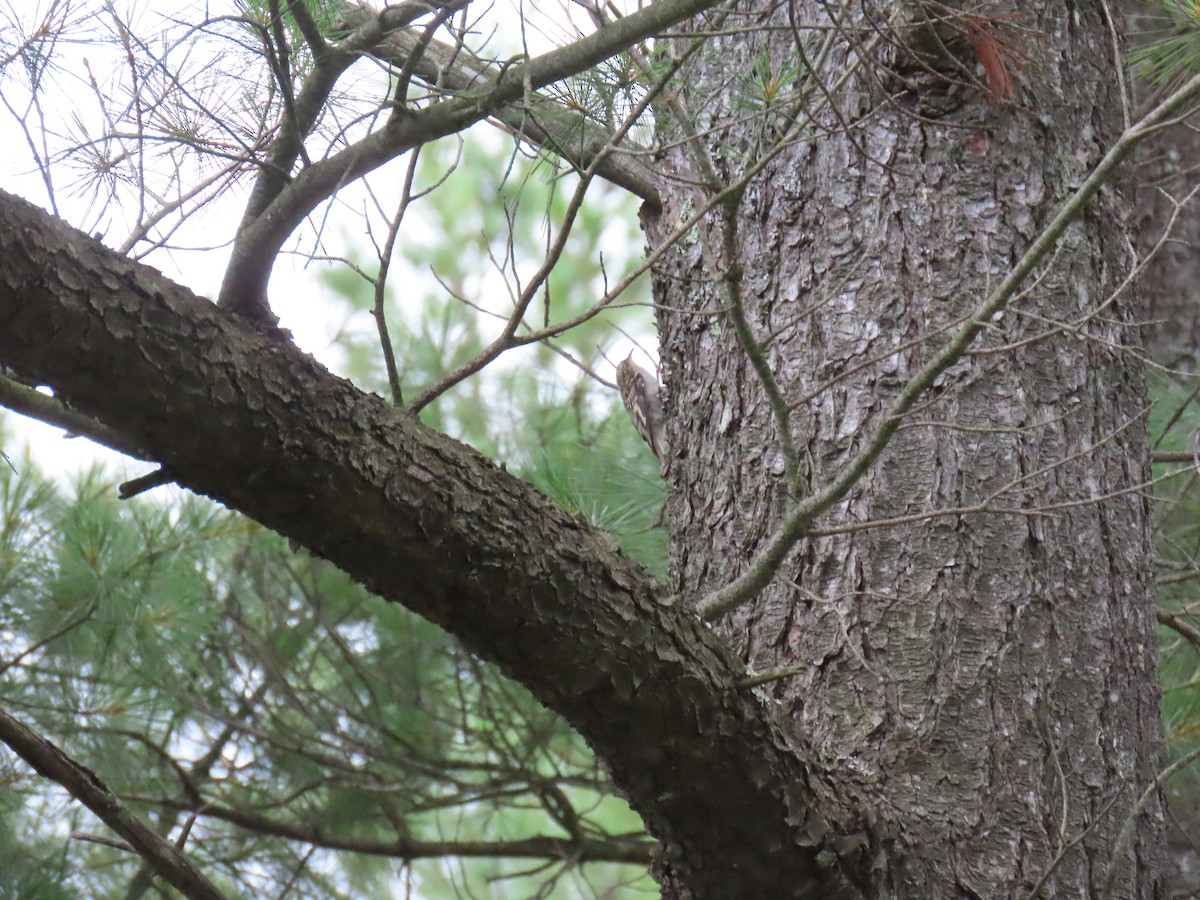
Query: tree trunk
{"points": [[990, 675], [1168, 172]]}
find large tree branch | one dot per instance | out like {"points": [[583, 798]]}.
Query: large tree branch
{"points": [[425, 521]]}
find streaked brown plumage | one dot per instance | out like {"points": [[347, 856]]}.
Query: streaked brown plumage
{"points": [[639, 393]]}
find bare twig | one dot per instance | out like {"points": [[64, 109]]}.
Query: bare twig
{"points": [[385, 263], [507, 339], [277, 207], [28, 402], [732, 278], [616, 849]]}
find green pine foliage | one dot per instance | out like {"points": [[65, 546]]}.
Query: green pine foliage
{"points": [[1174, 422], [543, 416], [1171, 46], [144, 636]]}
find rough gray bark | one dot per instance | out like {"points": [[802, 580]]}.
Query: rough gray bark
{"points": [[992, 676]]}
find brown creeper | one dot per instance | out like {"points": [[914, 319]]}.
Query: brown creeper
{"points": [[639, 393]]}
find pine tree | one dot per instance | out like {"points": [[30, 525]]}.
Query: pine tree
{"points": [[906, 641]]}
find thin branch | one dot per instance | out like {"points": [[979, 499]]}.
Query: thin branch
{"points": [[507, 338], [636, 851], [761, 678], [279, 57], [1066, 846], [1121, 846], [1172, 456], [123, 846], [1189, 632], [418, 52], [127, 490], [309, 28], [986, 509], [385, 263], [28, 402], [70, 623], [85, 786], [199, 770], [277, 208], [140, 232], [1175, 416], [732, 277]]}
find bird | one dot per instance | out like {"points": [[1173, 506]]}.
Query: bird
{"points": [[639, 393]]}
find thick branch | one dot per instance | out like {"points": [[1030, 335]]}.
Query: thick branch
{"points": [[425, 521]]}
